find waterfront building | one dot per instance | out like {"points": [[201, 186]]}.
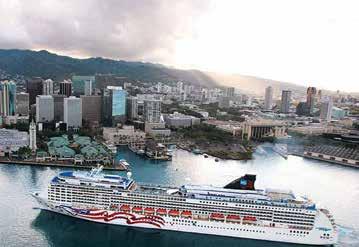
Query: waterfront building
{"points": [[152, 110], [73, 112], [32, 132], [11, 140], [311, 94], [88, 87], [232, 127], [48, 87], [22, 104], [268, 98], [132, 107], [78, 84], [66, 88], [326, 110], [178, 120], [91, 109], [7, 98], [106, 108], [44, 108], [340, 155], [286, 101], [34, 88], [260, 129], [126, 135]]}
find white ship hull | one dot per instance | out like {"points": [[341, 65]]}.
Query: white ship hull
{"points": [[315, 237]]}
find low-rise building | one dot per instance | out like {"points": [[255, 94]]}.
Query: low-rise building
{"points": [[11, 140], [125, 135], [178, 120], [261, 128]]}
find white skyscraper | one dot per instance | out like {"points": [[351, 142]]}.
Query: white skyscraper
{"points": [[268, 101], [73, 112], [44, 108], [48, 87], [88, 87], [32, 132], [326, 109], [152, 110]]}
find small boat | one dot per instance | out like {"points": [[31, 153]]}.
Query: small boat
{"points": [[161, 211], [140, 152], [125, 208], [186, 214], [173, 213], [216, 159], [137, 209], [124, 163], [249, 218], [149, 211], [205, 155], [233, 218], [217, 216]]}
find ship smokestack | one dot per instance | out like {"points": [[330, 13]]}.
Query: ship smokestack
{"points": [[245, 182]]}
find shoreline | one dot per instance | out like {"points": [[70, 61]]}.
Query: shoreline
{"points": [[59, 165]]}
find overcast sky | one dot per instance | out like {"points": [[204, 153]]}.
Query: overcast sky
{"points": [[306, 42]]}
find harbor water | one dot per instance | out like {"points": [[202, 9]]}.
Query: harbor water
{"points": [[21, 224]]}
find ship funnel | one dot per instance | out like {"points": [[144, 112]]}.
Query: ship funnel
{"points": [[243, 183]]}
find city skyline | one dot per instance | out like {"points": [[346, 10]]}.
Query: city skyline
{"points": [[273, 42]]}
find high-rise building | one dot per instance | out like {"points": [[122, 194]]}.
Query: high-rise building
{"points": [[132, 108], [88, 87], [224, 102], [78, 84], [34, 88], [22, 104], [8, 98], [44, 108], [268, 98], [32, 133], [286, 100], [152, 110], [118, 102], [229, 92], [311, 93], [91, 109], [66, 88], [48, 87], [73, 112], [326, 109], [302, 109], [58, 107]]}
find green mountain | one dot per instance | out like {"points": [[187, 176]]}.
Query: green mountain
{"points": [[49, 65]]}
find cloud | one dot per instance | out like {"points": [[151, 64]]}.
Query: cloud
{"points": [[127, 29]]}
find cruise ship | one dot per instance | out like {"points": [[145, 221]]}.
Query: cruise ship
{"points": [[236, 210]]}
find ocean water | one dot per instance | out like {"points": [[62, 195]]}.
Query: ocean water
{"points": [[21, 224]]}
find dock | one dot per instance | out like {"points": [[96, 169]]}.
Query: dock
{"points": [[60, 165]]}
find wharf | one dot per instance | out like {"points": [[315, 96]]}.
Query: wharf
{"points": [[118, 167]]}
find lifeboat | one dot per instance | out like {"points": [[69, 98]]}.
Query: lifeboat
{"points": [[161, 211], [217, 216], [249, 218], [233, 218], [137, 209], [125, 208], [186, 214], [149, 211], [173, 213]]}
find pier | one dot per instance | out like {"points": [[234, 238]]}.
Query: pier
{"points": [[118, 167]]}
